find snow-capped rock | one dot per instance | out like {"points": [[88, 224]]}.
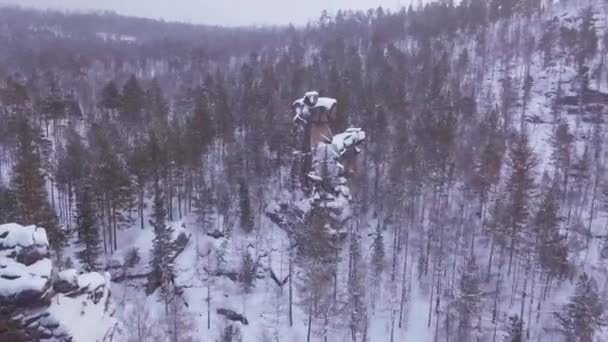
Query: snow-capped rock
{"points": [[25, 267]]}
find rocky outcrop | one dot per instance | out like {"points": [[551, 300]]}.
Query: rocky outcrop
{"points": [[34, 305], [25, 268], [332, 163]]}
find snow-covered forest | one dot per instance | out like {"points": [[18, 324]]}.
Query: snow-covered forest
{"points": [[164, 164]]}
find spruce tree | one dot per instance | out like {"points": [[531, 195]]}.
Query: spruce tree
{"points": [[88, 230], [519, 189], [161, 262]]}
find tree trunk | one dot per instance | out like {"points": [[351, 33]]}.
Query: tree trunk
{"points": [[403, 285], [209, 291], [141, 206], [290, 287], [309, 320]]}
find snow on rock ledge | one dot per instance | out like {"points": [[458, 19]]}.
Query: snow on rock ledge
{"points": [[83, 312], [25, 267], [77, 309]]}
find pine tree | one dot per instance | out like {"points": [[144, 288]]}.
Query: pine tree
{"points": [[30, 187], [132, 101], [583, 315], [161, 261], [552, 249], [88, 230], [519, 189]]}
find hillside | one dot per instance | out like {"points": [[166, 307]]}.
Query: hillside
{"points": [[161, 153]]}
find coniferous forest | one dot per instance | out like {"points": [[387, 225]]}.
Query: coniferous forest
{"points": [[154, 155]]}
